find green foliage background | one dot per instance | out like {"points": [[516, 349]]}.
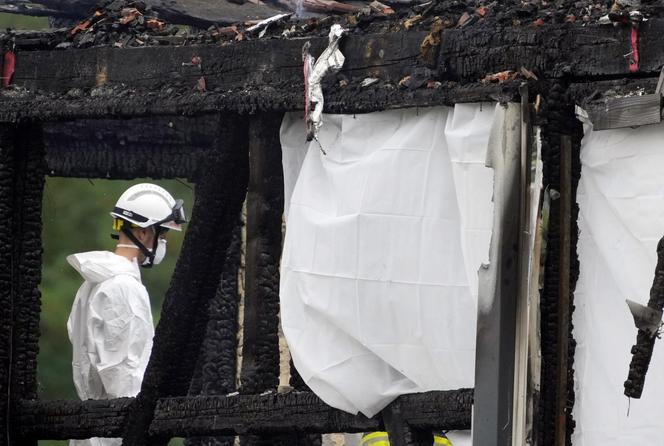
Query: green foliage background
{"points": [[76, 219]]}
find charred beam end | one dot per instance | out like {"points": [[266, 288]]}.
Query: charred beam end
{"points": [[241, 414], [642, 350]]}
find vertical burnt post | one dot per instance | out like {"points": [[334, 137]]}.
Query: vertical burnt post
{"points": [[6, 273], [26, 224], [558, 122], [218, 357], [265, 205], [220, 191], [564, 290]]}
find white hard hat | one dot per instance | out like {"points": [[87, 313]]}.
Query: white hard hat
{"points": [[147, 204]]}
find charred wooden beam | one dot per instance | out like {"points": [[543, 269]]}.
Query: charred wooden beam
{"points": [[7, 169], [155, 147], [220, 192], [300, 412], [265, 74], [218, 360], [65, 419], [557, 120], [258, 62], [26, 266], [466, 55], [20, 106], [265, 206], [241, 414]]}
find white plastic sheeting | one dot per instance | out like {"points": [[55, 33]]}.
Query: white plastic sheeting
{"points": [[621, 201], [385, 235]]}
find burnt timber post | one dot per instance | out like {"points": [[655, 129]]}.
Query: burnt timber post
{"points": [[22, 171], [265, 205], [6, 273], [220, 192]]}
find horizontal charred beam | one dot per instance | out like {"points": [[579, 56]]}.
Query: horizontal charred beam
{"points": [[301, 411], [253, 63], [54, 107], [466, 55], [126, 148], [72, 419], [242, 414]]}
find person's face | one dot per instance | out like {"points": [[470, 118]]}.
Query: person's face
{"points": [[146, 237]]}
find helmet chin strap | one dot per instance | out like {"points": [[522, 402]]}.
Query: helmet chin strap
{"points": [[146, 252]]}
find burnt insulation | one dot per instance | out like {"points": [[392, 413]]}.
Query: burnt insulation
{"points": [[218, 357], [220, 192], [557, 118], [6, 271]]}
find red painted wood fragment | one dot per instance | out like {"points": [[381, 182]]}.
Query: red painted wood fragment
{"points": [[634, 58], [8, 67]]}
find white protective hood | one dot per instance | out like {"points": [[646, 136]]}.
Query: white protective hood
{"points": [[385, 235], [110, 328], [621, 219]]}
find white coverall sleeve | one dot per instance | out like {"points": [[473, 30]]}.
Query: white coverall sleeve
{"points": [[120, 328]]}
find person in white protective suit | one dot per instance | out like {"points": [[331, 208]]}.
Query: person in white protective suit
{"points": [[110, 325]]}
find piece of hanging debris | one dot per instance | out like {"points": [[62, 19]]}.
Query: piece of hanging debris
{"points": [[330, 61]]}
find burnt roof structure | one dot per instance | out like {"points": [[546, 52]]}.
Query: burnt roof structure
{"points": [[122, 94]]}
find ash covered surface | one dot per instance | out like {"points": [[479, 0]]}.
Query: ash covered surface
{"points": [[126, 23]]}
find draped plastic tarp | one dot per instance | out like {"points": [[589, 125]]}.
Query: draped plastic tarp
{"points": [[385, 235], [621, 219]]}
